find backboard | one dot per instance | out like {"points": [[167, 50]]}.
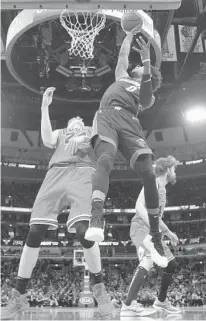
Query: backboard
{"points": [[92, 4], [78, 258]]}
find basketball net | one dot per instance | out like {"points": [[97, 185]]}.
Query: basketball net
{"points": [[83, 28]]}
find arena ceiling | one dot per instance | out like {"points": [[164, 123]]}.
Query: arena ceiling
{"points": [[21, 107]]}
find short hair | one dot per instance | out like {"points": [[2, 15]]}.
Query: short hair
{"points": [[162, 164], [75, 118], [156, 78]]}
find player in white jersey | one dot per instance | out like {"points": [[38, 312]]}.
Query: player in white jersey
{"points": [[139, 233], [68, 182]]}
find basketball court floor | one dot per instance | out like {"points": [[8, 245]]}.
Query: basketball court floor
{"points": [[188, 313]]}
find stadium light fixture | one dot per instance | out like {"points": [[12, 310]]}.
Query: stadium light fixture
{"points": [[196, 114]]}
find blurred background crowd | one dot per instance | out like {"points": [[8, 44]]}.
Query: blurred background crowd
{"points": [[121, 194], [60, 285]]}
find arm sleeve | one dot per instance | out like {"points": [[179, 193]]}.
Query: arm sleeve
{"points": [[146, 93]]}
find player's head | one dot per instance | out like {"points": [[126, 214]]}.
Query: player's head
{"points": [[166, 166], [75, 123], [156, 76]]}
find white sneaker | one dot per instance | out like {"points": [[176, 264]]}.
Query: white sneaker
{"points": [[155, 256], [94, 234], [16, 304], [166, 306], [135, 309]]}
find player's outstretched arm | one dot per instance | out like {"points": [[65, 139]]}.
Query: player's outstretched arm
{"points": [[123, 61], [146, 92], [49, 137]]}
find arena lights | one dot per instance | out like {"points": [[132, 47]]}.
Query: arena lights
{"points": [[196, 115]]}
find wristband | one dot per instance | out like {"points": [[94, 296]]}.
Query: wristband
{"points": [[146, 60], [146, 78]]}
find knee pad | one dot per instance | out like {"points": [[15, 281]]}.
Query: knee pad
{"points": [[106, 162], [146, 263], [81, 228], [172, 265], [144, 166], [36, 235]]}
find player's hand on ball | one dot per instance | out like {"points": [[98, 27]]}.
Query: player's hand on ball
{"points": [[173, 238], [48, 97], [136, 30], [144, 50]]}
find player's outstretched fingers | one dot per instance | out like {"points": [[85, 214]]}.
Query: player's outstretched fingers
{"points": [[141, 42], [136, 49]]}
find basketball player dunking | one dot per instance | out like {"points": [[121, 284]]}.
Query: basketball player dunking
{"points": [[67, 182], [116, 125], [139, 233]]}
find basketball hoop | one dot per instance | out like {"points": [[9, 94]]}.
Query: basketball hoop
{"points": [[83, 28]]}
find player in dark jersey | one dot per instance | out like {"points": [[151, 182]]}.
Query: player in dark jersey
{"points": [[116, 126], [68, 182]]}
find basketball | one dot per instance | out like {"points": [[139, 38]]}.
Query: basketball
{"points": [[130, 20]]}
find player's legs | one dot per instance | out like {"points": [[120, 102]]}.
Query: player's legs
{"points": [[91, 251], [134, 148], [105, 153], [80, 213], [161, 303], [138, 231], [30, 253], [93, 260], [105, 143], [143, 166]]}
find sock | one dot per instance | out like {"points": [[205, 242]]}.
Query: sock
{"points": [[21, 285], [153, 221], [98, 199], [97, 207], [165, 283], [93, 260], [136, 283], [97, 277], [28, 261]]}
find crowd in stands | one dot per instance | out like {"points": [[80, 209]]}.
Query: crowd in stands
{"points": [[187, 226], [121, 194], [61, 284]]}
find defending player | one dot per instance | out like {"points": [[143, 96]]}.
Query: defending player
{"points": [[67, 182], [116, 126], [139, 233]]}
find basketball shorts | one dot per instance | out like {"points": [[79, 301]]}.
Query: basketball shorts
{"points": [[138, 231], [122, 129], [64, 187]]}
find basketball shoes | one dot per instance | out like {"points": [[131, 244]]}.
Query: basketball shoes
{"points": [[135, 309], [155, 248], [17, 303], [104, 303], [166, 306]]}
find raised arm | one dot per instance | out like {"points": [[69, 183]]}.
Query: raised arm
{"points": [[49, 137], [147, 98], [123, 61]]}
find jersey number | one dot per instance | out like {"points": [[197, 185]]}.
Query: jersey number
{"points": [[131, 88]]}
